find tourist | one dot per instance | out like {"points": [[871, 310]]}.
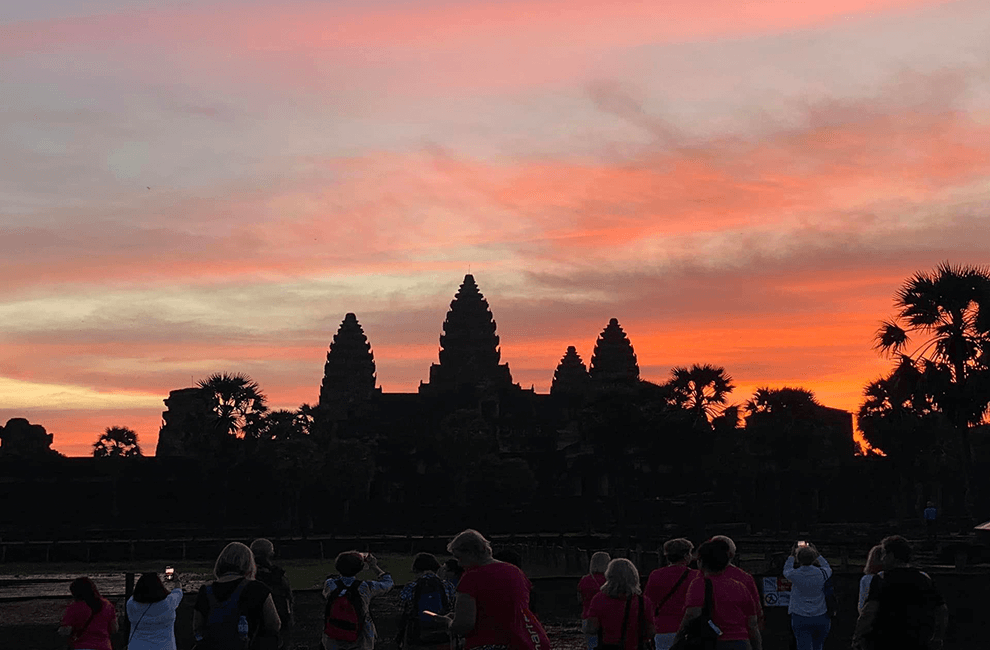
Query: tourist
{"points": [[734, 611], [588, 587], [667, 588], [903, 610], [491, 595], [620, 615], [808, 570], [235, 570], [90, 619], [874, 566], [930, 515], [427, 592], [275, 579], [451, 571], [734, 572], [151, 613], [349, 564]]}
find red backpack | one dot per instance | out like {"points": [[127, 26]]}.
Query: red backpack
{"points": [[343, 619]]}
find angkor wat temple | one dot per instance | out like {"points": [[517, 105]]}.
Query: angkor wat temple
{"points": [[469, 376]]}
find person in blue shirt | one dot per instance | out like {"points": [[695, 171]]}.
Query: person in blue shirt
{"points": [[808, 570], [931, 516]]}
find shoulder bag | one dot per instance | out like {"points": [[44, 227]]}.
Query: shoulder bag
{"points": [[700, 633]]}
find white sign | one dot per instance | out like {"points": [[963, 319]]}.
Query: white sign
{"points": [[776, 592]]}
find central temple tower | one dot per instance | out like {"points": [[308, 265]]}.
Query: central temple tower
{"points": [[469, 354]]}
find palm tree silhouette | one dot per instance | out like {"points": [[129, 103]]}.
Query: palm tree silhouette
{"points": [[701, 389], [237, 401], [117, 442], [949, 308]]}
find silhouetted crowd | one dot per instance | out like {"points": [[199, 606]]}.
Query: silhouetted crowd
{"points": [[479, 600]]}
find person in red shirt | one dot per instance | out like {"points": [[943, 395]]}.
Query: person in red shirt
{"points": [[90, 619], [588, 587], [621, 602], [491, 595], [742, 576], [733, 611], [667, 588]]}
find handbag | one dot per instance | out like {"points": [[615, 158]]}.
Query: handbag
{"points": [[700, 633]]}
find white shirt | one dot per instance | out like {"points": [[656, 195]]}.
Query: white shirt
{"points": [[153, 624]]}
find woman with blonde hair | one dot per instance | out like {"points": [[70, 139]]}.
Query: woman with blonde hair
{"points": [[588, 588], [620, 615], [874, 566], [491, 595], [235, 569]]}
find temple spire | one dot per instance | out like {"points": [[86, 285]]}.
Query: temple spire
{"points": [[469, 353], [614, 361], [571, 375], [349, 373]]}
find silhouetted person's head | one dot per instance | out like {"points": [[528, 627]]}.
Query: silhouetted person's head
{"points": [[263, 551], [599, 562], [713, 556], [678, 550], [470, 548], [85, 590], [425, 562], [349, 563], [874, 561], [621, 579], [149, 589], [452, 569], [806, 556], [896, 551], [235, 558], [728, 542]]}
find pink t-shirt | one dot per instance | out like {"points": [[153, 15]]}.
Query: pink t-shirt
{"points": [[589, 585], [661, 581], [733, 605], [501, 592], [96, 636], [610, 613], [747, 581]]}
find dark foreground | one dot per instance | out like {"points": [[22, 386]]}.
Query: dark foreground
{"points": [[31, 624]]}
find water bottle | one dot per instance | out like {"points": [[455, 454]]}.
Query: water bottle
{"points": [[242, 628]]}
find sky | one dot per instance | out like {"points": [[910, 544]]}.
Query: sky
{"points": [[199, 187]]}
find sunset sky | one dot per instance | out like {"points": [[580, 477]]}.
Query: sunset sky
{"points": [[191, 187]]}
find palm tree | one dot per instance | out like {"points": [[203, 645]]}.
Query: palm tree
{"points": [[117, 442], [237, 402], [701, 389], [949, 309]]}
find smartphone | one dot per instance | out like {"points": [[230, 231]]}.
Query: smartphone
{"points": [[169, 573], [429, 613], [802, 543]]}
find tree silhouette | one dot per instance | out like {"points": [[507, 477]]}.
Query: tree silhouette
{"points": [[237, 402], [117, 442], [949, 310], [701, 389]]}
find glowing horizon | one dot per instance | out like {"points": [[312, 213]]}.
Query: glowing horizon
{"points": [[210, 188]]}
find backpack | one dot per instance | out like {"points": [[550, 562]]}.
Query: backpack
{"points": [[226, 627], [272, 577], [344, 617], [429, 595]]}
